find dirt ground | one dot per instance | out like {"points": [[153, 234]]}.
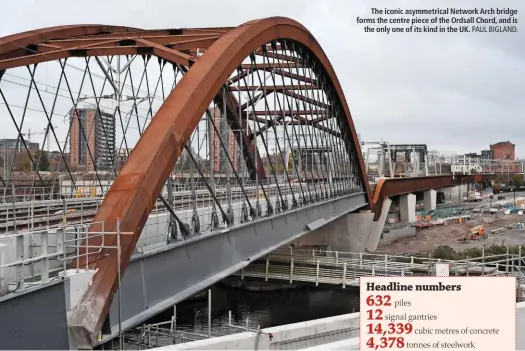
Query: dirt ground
{"points": [[428, 239]]}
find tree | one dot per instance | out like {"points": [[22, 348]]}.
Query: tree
{"points": [[41, 160], [21, 162], [518, 180], [499, 178]]}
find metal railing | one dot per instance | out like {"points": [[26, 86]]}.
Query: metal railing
{"points": [[31, 215], [168, 333], [37, 257], [345, 268]]}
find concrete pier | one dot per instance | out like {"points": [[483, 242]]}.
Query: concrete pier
{"points": [[429, 199], [455, 193], [378, 226], [348, 233], [407, 207]]}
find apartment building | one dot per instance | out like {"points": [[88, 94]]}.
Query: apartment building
{"points": [[92, 139]]}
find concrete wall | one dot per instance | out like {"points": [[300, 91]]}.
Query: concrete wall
{"points": [[302, 332], [347, 344], [282, 335], [520, 325]]}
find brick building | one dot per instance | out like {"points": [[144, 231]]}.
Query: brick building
{"points": [[92, 139], [220, 161], [503, 150]]}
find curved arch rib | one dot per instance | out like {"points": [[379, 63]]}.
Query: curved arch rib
{"points": [[135, 190]]}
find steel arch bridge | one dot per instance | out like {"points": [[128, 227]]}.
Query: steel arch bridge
{"points": [[249, 122]]}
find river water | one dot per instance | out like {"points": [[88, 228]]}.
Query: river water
{"points": [[264, 309]]}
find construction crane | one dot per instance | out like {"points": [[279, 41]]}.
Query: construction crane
{"points": [[48, 137]]}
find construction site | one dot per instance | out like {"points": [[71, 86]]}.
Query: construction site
{"points": [[460, 227]]}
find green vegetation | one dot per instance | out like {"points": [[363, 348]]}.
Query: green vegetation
{"points": [[41, 159], [448, 253], [518, 180]]}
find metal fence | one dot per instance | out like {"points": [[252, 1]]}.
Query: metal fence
{"points": [[315, 340], [166, 333], [345, 268]]}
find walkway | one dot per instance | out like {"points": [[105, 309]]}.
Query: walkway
{"points": [[344, 268]]}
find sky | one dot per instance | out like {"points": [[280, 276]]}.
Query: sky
{"points": [[453, 91]]}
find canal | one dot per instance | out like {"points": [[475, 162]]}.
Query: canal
{"points": [[264, 309]]}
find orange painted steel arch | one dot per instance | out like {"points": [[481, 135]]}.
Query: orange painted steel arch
{"points": [[133, 193]]}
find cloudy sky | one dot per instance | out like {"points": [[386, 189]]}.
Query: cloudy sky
{"points": [[454, 91]]}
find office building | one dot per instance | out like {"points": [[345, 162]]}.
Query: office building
{"points": [[487, 154], [92, 139], [16, 144]]}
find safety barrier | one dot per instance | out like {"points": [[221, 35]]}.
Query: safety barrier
{"points": [[334, 333], [286, 337], [50, 253]]}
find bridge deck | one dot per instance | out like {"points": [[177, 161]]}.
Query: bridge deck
{"points": [[159, 278]]}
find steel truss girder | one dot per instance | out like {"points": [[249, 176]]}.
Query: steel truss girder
{"points": [[277, 71], [275, 88], [291, 113], [297, 120], [42, 45]]}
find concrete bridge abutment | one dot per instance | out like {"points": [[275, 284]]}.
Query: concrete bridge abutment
{"points": [[348, 233]]}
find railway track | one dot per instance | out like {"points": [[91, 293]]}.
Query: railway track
{"points": [[83, 212]]}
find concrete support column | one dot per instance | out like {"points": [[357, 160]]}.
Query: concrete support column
{"points": [[348, 233], [429, 198], [407, 207], [446, 193], [463, 191], [355, 238], [378, 226], [453, 193]]}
